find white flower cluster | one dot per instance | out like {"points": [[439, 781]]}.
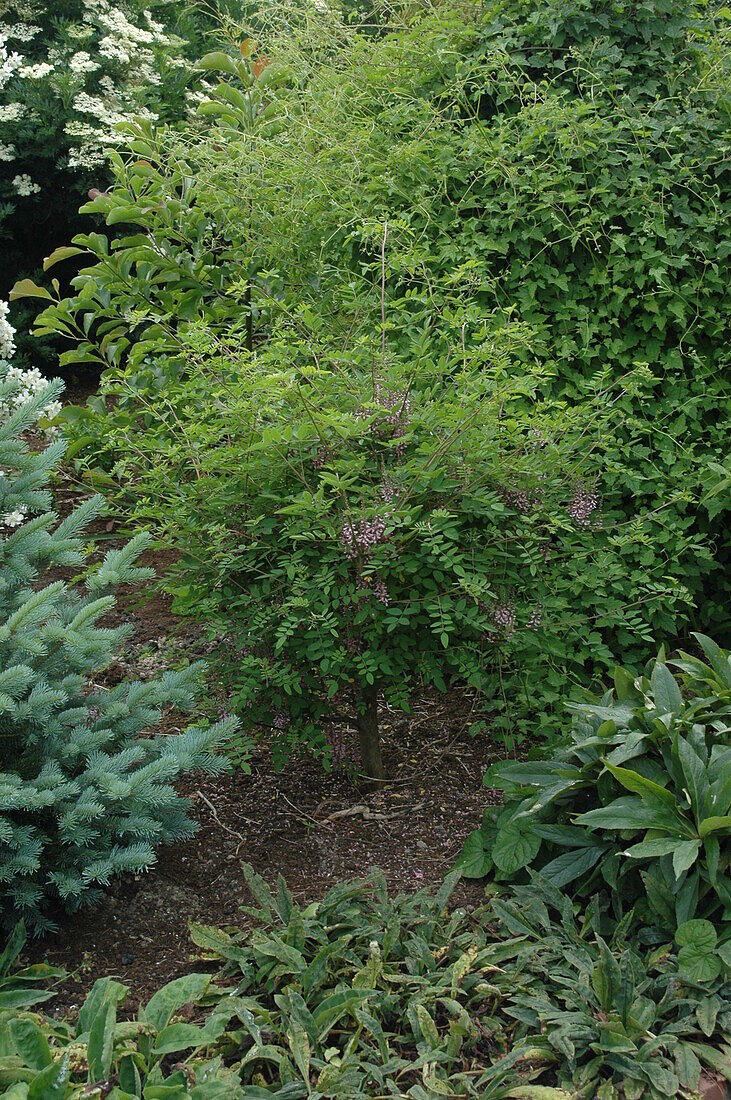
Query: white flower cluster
{"points": [[123, 51], [9, 62], [18, 514], [35, 72], [20, 32], [11, 112], [7, 332], [24, 185], [16, 517], [26, 385], [82, 62]]}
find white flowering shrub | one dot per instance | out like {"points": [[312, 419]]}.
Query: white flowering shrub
{"points": [[70, 73]]}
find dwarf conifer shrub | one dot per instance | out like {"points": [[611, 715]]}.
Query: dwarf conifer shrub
{"points": [[83, 795]]}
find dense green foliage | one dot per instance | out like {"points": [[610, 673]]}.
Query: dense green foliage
{"points": [[635, 806], [83, 796], [347, 525], [556, 169], [363, 996]]}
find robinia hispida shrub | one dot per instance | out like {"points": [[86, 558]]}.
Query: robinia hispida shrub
{"points": [[362, 526], [83, 797]]}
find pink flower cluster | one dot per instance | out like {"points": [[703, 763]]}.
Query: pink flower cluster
{"points": [[522, 500], [380, 591], [359, 537], [503, 615], [394, 408], [397, 404], [388, 492], [536, 618], [582, 505]]}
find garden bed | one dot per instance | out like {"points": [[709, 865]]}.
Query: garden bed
{"points": [[314, 827]]}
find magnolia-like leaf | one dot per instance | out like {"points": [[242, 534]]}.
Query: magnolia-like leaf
{"points": [[685, 855], [62, 253], [30, 1042], [180, 1036], [715, 824], [172, 997], [299, 1044], [26, 288], [571, 865], [217, 61], [687, 1066]]}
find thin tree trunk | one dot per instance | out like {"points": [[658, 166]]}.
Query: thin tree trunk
{"points": [[370, 740]]}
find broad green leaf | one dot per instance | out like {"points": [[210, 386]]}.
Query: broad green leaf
{"points": [[715, 825], [30, 1042], [630, 813], [694, 771], [428, 1028], [668, 699], [698, 959], [685, 855], [637, 783], [172, 997], [571, 865], [721, 664], [103, 989], [51, 1082], [655, 848], [26, 288], [215, 942], [331, 1008], [299, 1044], [706, 1012], [516, 846], [62, 253], [687, 1066], [474, 859], [180, 1036], [217, 61], [13, 947], [101, 1041]]}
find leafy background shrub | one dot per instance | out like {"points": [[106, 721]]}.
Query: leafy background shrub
{"points": [[527, 160], [636, 804], [365, 995], [83, 796]]}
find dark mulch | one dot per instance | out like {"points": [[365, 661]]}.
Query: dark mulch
{"points": [[313, 827]]}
